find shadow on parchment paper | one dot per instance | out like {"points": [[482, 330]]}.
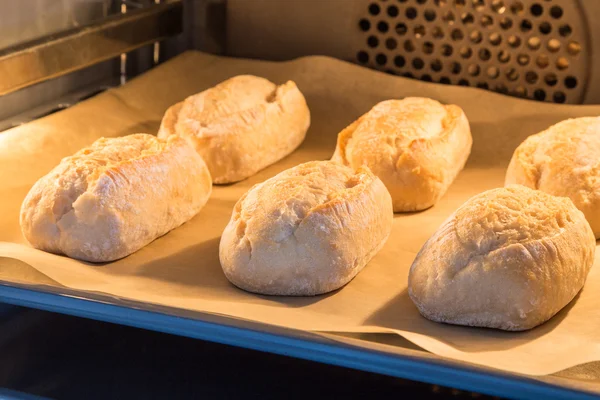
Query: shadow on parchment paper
{"points": [[400, 313]]}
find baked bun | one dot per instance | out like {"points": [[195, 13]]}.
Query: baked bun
{"points": [[563, 160], [416, 146], [240, 126], [114, 197], [306, 231], [508, 258]]}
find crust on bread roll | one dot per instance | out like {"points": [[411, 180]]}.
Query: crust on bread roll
{"points": [[563, 160], [240, 126], [116, 196], [416, 146], [306, 231], [508, 258]]}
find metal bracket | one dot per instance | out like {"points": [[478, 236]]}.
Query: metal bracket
{"points": [[59, 54]]}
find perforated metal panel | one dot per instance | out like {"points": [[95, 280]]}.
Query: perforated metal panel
{"points": [[528, 48]]}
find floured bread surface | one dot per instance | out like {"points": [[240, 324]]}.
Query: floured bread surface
{"points": [[240, 126], [508, 258], [563, 160], [416, 146], [114, 197], [308, 230]]}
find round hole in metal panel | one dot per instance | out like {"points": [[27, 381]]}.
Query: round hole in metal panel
{"points": [[465, 52], [565, 30], [520, 91], [419, 31], [401, 29], [428, 47], [493, 72], [460, 3], [411, 13], [448, 17], [514, 41], [436, 65], [399, 61], [362, 57], [570, 82], [536, 10], [372, 41], [381, 59], [392, 11], [374, 9], [426, 78], [441, 3], [553, 45], [523, 59], [447, 50], [559, 97], [512, 74], [390, 43], [364, 24], [501, 88], [539, 94], [484, 54], [486, 21], [534, 43], [475, 36], [455, 67], [526, 25], [445, 80], [421, 1], [506, 23], [562, 63], [545, 28], [418, 63], [517, 7], [409, 45], [504, 56], [556, 12], [478, 5], [498, 6], [551, 79], [438, 33], [429, 15], [531, 77], [482, 85], [467, 18], [382, 27], [456, 34], [495, 38], [542, 61], [463, 82], [473, 69], [573, 48]]}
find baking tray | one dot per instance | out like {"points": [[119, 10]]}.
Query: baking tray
{"points": [[381, 353]]}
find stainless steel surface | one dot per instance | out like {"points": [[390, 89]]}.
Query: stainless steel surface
{"points": [[74, 49], [540, 49]]}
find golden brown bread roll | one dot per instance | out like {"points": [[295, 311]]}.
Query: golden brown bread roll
{"points": [[240, 126], [563, 160], [116, 196], [306, 231], [416, 146], [508, 258]]}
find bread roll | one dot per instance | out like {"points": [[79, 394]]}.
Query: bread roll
{"points": [[240, 126], [308, 230], [114, 197], [416, 146], [563, 160], [508, 258]]}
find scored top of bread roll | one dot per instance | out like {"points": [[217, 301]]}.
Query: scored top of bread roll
{"points": [[241, 125], [112, 198], [563, 160], [508, 258], [306, 231], [416, 146]]}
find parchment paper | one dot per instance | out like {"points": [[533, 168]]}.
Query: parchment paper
{"points": [[182, 269]]}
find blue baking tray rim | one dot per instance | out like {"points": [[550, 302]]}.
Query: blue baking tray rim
{"points": [[293, 343]]}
